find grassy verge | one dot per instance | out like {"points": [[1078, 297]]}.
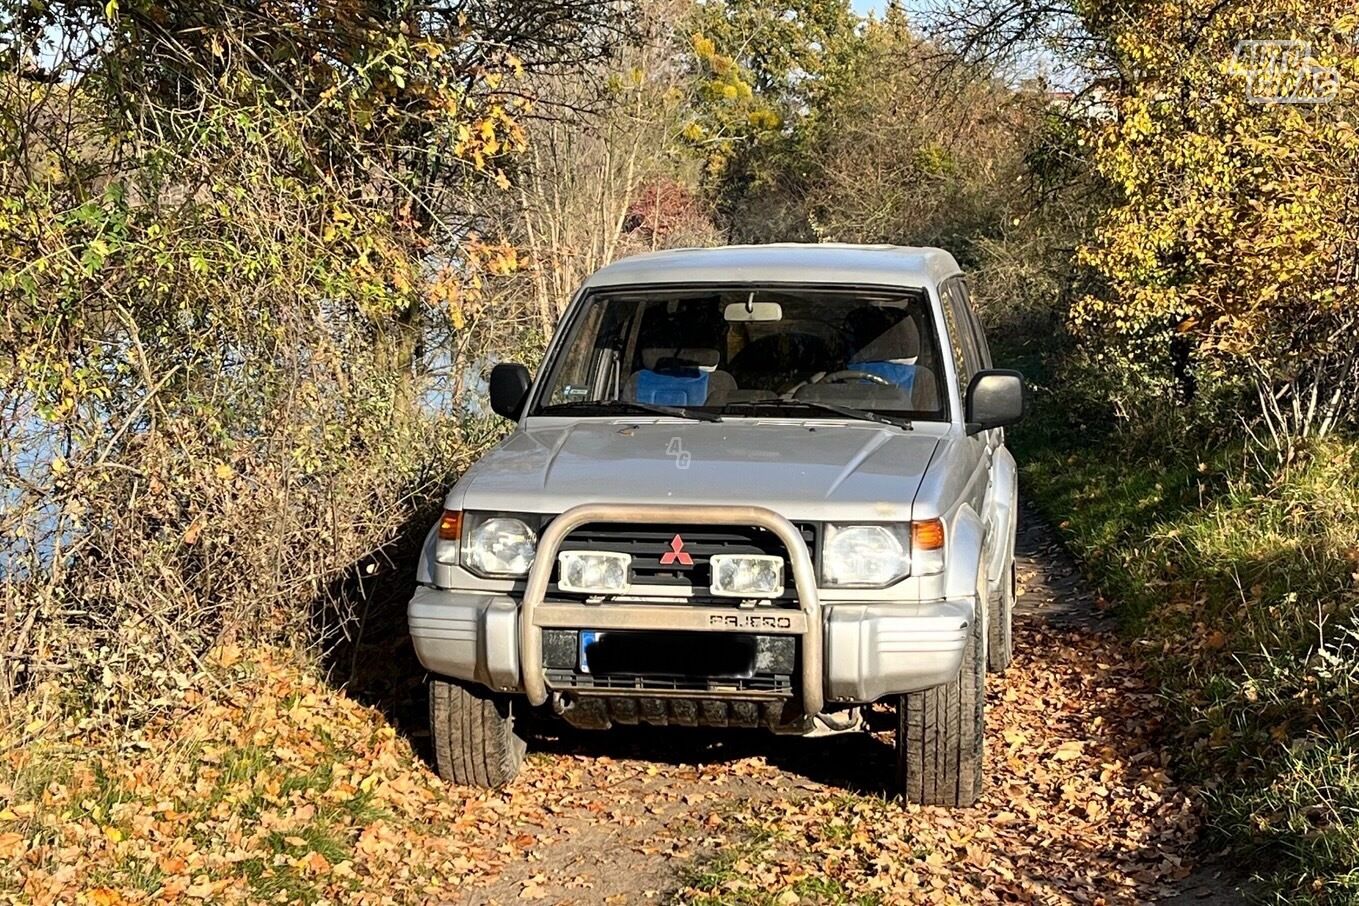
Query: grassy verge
{"points": [[1243, 586]]}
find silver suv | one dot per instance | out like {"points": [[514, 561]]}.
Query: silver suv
{"points": [[751, 486]]}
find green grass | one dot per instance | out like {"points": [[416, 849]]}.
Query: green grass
{"points": [[1307, 817], [1246, 583], [270, 879], [710, 877], [725, 878], [722, 881]]}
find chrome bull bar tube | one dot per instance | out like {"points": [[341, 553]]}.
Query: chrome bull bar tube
{"points": [[534, 613]]}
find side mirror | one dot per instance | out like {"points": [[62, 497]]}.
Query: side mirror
{"points": [[509, 389], [994, 399]]}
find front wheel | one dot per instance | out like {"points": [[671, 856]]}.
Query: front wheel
{"points": [[474, 739], [940, 743]]}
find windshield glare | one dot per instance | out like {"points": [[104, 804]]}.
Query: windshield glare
{"points": [[749, 351]]}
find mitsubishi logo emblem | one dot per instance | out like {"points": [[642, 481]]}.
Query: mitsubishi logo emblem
{"points": [[676, 553]]}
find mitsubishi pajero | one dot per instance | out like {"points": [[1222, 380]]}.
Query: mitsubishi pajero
{"points": [[759, 486]]}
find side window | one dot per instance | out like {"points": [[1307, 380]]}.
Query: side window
{"points": [[575, 380], [975, 319], [966, 356]]}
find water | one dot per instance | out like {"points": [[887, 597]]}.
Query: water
{"points": [[31, 522]]}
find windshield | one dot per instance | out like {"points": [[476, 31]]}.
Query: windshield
{"points": [[750, 351]]}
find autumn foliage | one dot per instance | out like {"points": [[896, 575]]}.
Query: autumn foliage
{"points": [[255, 260], [278, 788], [1235, 224], [282, 790], [234, 242]]}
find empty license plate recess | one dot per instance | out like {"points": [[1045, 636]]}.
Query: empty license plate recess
{"points": [[648, 653]]}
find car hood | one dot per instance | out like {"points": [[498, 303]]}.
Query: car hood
{"points": [[803, 470]]}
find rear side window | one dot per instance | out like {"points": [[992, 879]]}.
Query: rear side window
{"points": [[962, 338], [975, 320]]}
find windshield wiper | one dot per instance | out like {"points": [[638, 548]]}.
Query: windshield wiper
{"points": [[835, 408], [630, 406]]}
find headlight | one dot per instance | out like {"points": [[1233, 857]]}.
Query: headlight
{"points": [[499, 546], [865, 556]]}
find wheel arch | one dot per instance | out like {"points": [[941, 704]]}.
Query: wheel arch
{"points": [[964, 555], [1005, 515]]}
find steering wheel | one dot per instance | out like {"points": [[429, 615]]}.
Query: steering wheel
{"points": [[849, 374]]}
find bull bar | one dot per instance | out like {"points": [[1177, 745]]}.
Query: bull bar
{"points": [[536, 613]]}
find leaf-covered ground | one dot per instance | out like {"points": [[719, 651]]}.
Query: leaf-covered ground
{"points": [[276, 787]]}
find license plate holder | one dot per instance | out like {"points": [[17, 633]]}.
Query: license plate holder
{"points": [[587, 638]]}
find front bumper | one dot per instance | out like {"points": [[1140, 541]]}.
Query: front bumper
{"points": [[867, 650]]}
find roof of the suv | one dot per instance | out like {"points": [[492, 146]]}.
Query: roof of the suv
{"points": [[874, 265]]}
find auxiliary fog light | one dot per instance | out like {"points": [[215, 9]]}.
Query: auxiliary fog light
{"points": [[747, 575], [593, 572]]}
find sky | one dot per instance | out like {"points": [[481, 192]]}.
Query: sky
{"points": [[1039, 63]]}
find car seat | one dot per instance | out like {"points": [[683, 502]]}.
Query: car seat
{"points": [[773, 364], [891, 349], [678, 377]]}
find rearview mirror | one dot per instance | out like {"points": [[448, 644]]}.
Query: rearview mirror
{"points": [[740, 312], [994, 399], [509, 389]]}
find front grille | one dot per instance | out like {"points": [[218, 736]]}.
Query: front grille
{"points": [[647, 545]]}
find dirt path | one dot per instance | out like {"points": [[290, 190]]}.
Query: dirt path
{"points": [[1079, 805]]}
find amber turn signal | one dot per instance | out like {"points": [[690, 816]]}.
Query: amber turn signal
{"points": [[927, 535], [450, 525]]}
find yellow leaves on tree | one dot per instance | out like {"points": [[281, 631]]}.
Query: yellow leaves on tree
{"points": [[1237, 225], [461, 288], [496, 133], [726, 107]]}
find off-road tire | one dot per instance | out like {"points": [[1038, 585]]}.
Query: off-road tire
{"points": [[1000, 625], [473, 732], [940, 741]]}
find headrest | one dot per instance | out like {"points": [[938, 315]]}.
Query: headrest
{"points": [[897, 341], [671, 357]]}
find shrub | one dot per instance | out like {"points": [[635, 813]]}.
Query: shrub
{"points": [[1227, 262], [221, 301]]}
